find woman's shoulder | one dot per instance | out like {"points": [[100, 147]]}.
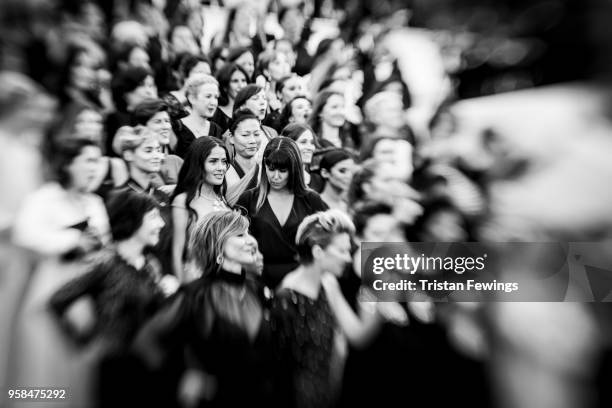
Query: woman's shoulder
{"points": [[179, 200]]}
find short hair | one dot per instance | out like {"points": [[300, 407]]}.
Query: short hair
{"points": [[209, 235], [224, 76], [196, 82], [145, 110], [320, 229], [126, 211], [129, 138], [244, 94], [364, 211], [125, 81], [63, 154]]}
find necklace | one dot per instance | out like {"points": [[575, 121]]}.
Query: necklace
{"points": [[217, 203]]}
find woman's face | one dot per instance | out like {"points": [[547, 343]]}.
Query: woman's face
{"points": [[337, 254], [139, 58], [386, 185], [300, 111], [206, 101], [247, 63], [152, 224], [279, 67], [247, 138], [278, 178], [88, 124], [383, 228], [258, 104], [84, 167], [294, 86], [306, 145], [84, 78], [183, 41], [147, 157], [341, 174], [241, 248], [333, 111], [146, 90], [397, 152], [237, 82], [215, 166], [160, 124]]}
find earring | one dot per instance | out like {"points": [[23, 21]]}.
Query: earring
{"points": [[219, 259]]}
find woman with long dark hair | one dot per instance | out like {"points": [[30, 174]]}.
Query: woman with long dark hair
{"points": [[232, 78], [200, 190], [278, 205]]}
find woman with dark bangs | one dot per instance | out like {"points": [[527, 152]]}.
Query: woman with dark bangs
{"points": [[277, 206], [232, 78]]}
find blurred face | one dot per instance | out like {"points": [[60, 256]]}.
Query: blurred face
{"points": [[333, 111], [294, 86], [160, 124], [139, 58], [237, 82], [241, 248], [278, 178], [247, 63], [337, 254], [83, 77], [207, 100], [152, 224], [215, 166], [293, 24], [300, 111], [258, 104], [306, 145], [88, 124], [390, 113], [285, 47], [146, 90], [383, 228], [220, 61], [84, 168], [247, 138], [147, 157], [279, 67], [386, 185], [341, 174], [398, 152], [200, 68], [446, 226]]}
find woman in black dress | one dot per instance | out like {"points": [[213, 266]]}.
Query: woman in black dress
{"points": [[277, 206], [203, 96], [232, 78], [218, 322]]}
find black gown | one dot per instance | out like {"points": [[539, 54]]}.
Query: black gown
{"points": [[185, 137], [305, 330], [219, 324], [276, 241]]}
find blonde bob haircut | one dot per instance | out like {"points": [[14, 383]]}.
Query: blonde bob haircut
{"points": [[320, 229], [128, 138], [195, 82], [208, 238]]}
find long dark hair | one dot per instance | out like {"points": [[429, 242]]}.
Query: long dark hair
{"points": [[282, 153], [192, 174], [224, 76], [317, 107]]}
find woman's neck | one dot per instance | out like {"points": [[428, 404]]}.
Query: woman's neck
{"points": [[143, 179], [333, 194], [131, 250], [246, 164], [331, 134], [206, 190], [198, 119], [231, 266]]}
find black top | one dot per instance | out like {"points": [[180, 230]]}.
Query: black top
{"points": [[124, 296], [276, 241], [221, 119], [304, 330], [185, 137], [222, 324]]}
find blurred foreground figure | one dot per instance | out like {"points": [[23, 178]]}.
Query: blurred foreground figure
{"points": [[25, 111]]}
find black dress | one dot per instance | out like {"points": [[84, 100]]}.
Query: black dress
{"points": [[305, 330], [219, 324], [221, 120], [276, 241], [185, 137]]}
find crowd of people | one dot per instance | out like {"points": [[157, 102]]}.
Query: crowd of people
{"points": [[187, 207]]}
